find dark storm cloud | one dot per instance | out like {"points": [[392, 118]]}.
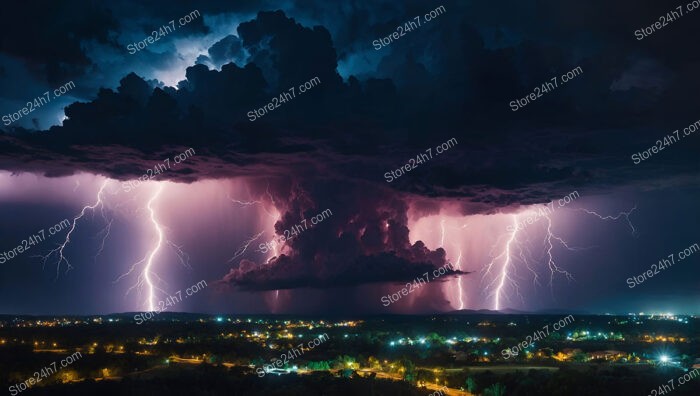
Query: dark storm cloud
{"points": [[288, 273], [228, 49], [454, 77], [364, 240], [448, 80], [48, 35]]}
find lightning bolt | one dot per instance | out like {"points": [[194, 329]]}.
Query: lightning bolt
{"points": [[551, 264], [267, 190], [272, 202], [626, 215], [244, 203], [504, 275], [458, 264], [149, 263], [442, 232], [242, 249], [181, 255], [506, 278], [58, 252], [149, 278], [105, 234], [246, 244]]}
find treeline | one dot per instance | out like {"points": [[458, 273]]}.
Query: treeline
{"points": [[209, 380]]}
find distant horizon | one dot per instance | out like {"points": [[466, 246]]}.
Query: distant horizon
{"points": [[466, 311]]}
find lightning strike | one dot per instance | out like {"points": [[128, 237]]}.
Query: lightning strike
{"points": [[626, 215], [244, 203], [105, 234], [458, 265], [442, 232], [61, 247], [149, 263], [242, 249], [148, 278], [183, 257], [246, 244], [505, 275], [551, 264], [514, 249]]}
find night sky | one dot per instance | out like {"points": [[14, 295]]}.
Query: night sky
{"points": [[369, 110]]}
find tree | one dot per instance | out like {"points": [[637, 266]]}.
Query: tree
{"points": [[496, 389], [471, 385], [374, 363], [435, 338], [409, 370], [319, 366], [579, 356], [344, 362], [361, 361]]}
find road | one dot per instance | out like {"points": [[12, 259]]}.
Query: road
{"points": [[445, 390], [396, 377], [176, 359]]}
